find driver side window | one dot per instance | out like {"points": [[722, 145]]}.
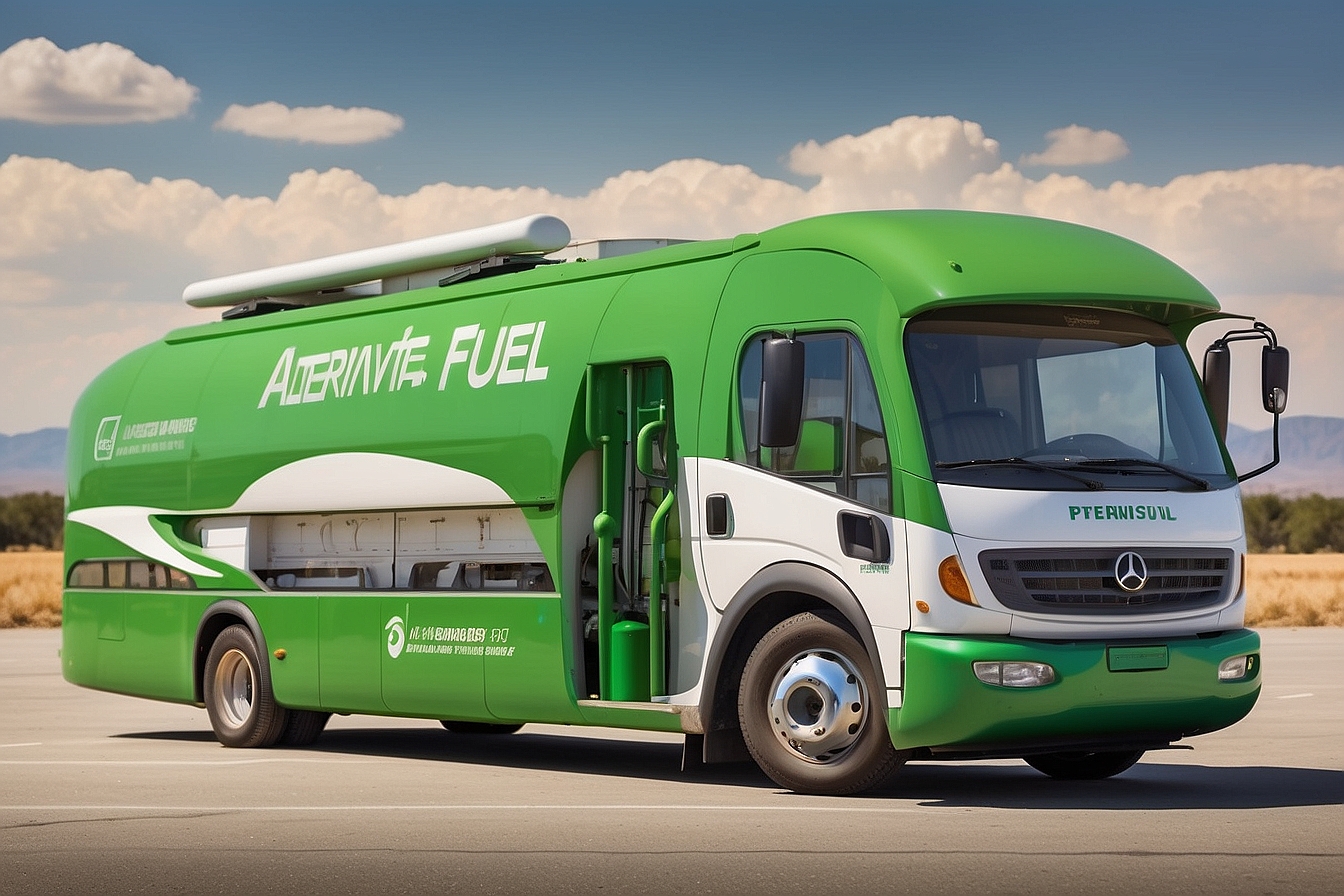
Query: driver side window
{"points": [[842, 444]]}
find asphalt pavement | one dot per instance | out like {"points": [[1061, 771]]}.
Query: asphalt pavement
{"points": [[112, 794]]}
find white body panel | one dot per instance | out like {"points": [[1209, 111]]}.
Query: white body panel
{"points": [[985, 519], [774, 520], [1050, 518]]}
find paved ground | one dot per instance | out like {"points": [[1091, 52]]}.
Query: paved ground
{"points": [[109, 794]]}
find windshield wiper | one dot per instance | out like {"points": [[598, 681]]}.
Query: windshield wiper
{"points": [[1092, 484], [1144, 462]]}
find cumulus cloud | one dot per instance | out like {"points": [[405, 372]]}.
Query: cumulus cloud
{"points": [[94, 84], [1076, 145], [97, 260], [914, 161], [310, 124]]}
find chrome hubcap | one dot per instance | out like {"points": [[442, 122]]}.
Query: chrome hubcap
{"points": [[233, 688], [817, 705]]}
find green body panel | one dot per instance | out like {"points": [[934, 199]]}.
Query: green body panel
{"points": [[152, 657], [350, 647], [932, 258], [205, 413], [945, 704]]}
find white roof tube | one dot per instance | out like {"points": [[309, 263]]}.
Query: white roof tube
{"points": [[536, 234]]}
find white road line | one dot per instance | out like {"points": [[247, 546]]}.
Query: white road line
{"points": [[30, 744], [469, 807], [1294, 696], [205, 762]]}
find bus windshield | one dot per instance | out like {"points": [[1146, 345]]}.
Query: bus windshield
{"points": [[1060, 398]]}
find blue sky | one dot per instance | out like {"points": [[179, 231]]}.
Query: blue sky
{"points": [[565, 97]]}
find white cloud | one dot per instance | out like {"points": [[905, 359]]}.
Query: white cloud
{"points": [[96, 261], [913, 161], [310, 124], [1076, 145], [94, 84]]}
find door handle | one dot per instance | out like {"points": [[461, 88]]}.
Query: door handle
{"points": [[718, 516], [864, 537]]}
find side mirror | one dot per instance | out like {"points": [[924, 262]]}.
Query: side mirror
{"points": [[1217, 383], [782, 366], [1274, 378], [1273, 381]]}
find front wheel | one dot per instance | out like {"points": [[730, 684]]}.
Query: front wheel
{"points": [[810, 710], [238, 695], [1083, 766]]}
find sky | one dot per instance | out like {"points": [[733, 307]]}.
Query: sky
{"points": [[144, 146]]}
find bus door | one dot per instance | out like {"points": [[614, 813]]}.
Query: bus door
{"points": [[633, 564], [824, 496]]}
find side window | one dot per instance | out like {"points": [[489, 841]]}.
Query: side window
{"points": [[134, 574], [842, 444]]}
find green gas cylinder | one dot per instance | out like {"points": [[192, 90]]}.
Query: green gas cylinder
{"points": [[630, 661]]}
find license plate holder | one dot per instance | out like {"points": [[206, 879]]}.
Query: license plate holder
{"points": [[1146, 658]]}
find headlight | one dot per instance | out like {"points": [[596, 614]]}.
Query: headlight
{"points": [[1014, 674]]}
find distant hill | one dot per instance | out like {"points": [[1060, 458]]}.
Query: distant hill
{"points": [[33, 462], [1312, 451]]}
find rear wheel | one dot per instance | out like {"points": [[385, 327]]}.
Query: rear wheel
{"points": [[810, 710], [302, 727], [481, 727], [238, 695], [1084, 766]]}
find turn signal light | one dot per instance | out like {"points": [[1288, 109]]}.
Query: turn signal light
{"points": [[954, 581]]}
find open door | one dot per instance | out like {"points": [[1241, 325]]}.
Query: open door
{"points": [[629, 422]]}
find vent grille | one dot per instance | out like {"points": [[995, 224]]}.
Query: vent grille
{"points": [[1083, 581]]}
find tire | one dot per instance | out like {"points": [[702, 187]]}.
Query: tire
{"points": [[481, 727], [302, 727], [238, 695], [1083, 766], [805, 676]]}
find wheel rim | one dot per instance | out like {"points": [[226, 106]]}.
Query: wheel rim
{"points": [[233, 688], [817, 705]]}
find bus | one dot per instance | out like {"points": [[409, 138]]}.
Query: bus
{"points": [[860, 489]]}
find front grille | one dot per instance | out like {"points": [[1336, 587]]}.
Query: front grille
{"points": [[1083, 580]]}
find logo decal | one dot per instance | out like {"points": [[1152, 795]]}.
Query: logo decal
{"points": [[106, 440], [396, 636], [1131, 572], [375, 368]]}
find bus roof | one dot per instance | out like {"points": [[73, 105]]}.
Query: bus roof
{"points": [[926, 258]]}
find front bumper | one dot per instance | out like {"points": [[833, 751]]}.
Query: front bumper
{"points": [[947, 709]]}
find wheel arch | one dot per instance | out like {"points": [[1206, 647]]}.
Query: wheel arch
{"points": [[217, 617], [772, 595]]}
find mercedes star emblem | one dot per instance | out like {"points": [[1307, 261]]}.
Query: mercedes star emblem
{"points": [[1131, 573]]}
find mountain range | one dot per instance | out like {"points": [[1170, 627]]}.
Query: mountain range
{"points": [[33, 462], [1311, 448]]}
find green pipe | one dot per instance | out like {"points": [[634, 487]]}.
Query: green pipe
{"points": [[604, 527], [658, 544]]}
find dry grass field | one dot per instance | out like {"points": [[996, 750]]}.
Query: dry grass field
{"points": [[30, 589], [1285, 589], [1294, 589]]}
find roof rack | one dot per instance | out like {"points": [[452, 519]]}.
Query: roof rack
{"points": [[432, 261]]}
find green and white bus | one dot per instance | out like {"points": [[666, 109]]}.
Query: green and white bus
{"points": [[860, 489]]}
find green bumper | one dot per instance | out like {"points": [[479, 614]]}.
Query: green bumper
{"points": [[1097, 695]]}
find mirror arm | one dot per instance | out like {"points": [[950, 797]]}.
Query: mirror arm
{"points": [[1258, 330], [1273, 463]]}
